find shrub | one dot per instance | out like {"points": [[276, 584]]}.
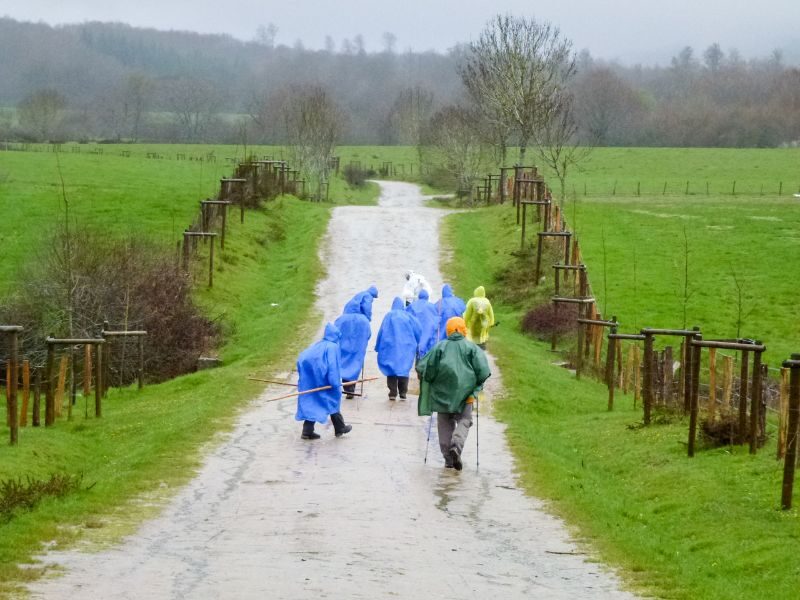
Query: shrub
{"points": [[84, 278]]}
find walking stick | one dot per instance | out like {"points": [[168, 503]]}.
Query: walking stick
{"points": [[477, 432], [428, 443]]}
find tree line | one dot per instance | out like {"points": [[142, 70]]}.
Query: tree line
{"points": [[109, 81]]}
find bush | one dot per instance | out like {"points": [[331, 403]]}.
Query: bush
{"points": [[129, 283], [543, 320], [354, 176]]}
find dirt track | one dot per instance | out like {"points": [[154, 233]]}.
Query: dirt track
{"points": [[272, 516]]}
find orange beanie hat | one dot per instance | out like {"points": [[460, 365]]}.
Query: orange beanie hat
{"points": [[456, 324]]}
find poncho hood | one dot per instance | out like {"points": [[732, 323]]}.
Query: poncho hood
{"points": [[332, 333], [447, 291]]}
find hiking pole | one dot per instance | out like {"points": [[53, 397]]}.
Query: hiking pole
{"points": [[427, 445], [477, 432]]}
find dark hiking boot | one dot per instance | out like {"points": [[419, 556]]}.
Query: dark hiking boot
{"points": [[343, 430], [349, 396], [455, 456], [310, 436], [392, 398], [402, 397], [448, 465]]}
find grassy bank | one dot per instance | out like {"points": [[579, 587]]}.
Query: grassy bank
{"points": [[147, 441], [676, 528]]}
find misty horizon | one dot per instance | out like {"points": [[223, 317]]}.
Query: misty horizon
{"points": [[742, 35]]}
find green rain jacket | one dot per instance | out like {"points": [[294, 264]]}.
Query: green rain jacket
{"points": [[451, 372]]}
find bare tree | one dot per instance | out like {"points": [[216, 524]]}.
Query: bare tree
{"points": [[453, 141], [313, 123], [41, 112], [514, 71], [557, 144], [194, 104], [604, 106], [409, 113], [266, 34]]}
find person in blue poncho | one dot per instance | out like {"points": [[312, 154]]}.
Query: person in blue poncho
{"points": [[356, 332], [448, 307], [428, 318], [318, 366], [398, 339], [363, 301]]}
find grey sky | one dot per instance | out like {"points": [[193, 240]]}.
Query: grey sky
{"points": [[629, 30]]}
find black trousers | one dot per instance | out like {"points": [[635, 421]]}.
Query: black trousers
{"points": [[396, 384], [336, 418]]}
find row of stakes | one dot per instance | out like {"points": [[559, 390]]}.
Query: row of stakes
{"points": [[528, 189], [98, 350]]}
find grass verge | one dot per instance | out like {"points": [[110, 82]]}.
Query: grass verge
{"points": [[705, 528], [147, 442]]}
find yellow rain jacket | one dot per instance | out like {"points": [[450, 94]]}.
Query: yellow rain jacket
{"points": [[479, 317]]}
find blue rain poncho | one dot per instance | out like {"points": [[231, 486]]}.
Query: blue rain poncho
{"points": [[397, 341], [353, 344], [428, 318], [363, 302], [449, 306], [318, 366]]}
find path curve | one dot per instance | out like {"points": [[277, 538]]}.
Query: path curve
{"points": [[272, 516]]}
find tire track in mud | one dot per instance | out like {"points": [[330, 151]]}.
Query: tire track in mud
{"points": [[272, 516]]}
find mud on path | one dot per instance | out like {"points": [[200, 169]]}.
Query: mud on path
{"points": [[272, 516]]}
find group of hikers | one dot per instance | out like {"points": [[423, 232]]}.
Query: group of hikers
{"points": [[444, 342]]}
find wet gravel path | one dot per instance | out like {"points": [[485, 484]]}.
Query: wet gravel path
{"points": [[272, 516]]}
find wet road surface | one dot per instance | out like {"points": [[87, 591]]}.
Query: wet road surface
{"points": [[272, 516]]}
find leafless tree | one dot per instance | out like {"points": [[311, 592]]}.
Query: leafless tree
{"points": [[409, 113], [313, 123], [41, 112], [514, 71], [194, 104], [604, 104], [557, 143], [453, 141]]}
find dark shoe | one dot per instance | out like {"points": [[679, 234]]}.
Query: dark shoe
{"points": [[448, 466], [455, 456], [349, 396], [392, 398], [402, 397], [345, 429], [310, 436]]}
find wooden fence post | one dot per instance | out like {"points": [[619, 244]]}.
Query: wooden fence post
{"points": [[755, 400], [11, 383], [712, 384], [26, 392], [611, 355], [790, 461], [50, 401], [783, 425], [696, 352], [99, 380], [648, 376], [743, 397]]}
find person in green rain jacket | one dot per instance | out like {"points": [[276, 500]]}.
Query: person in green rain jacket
{"points": [[479, 318], [451, 375]]}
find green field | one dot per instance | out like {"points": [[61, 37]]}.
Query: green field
{"points": [[157, 197], [631, 491], [708, 527], [144, 447]]}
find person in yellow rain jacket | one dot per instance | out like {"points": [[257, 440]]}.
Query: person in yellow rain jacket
{"points": [[479, 317]]}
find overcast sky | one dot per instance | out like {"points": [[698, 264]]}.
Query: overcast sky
{"points": [[631, 31]]}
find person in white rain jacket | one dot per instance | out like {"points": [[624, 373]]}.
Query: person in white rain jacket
{"points": [[415, 283]]}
